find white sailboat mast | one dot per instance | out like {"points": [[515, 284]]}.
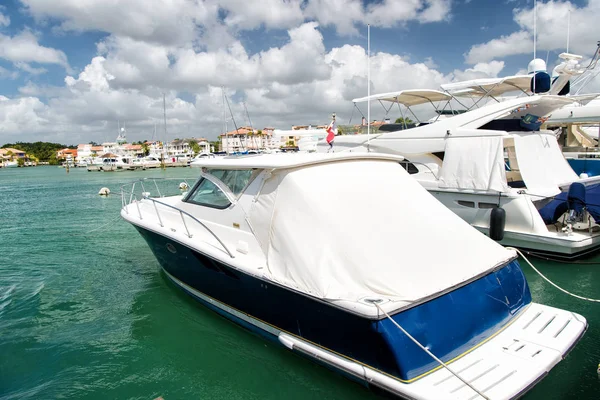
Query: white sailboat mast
{"points": [[165, 123], [368, 86]]}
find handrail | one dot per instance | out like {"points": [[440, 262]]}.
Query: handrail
{"points": [[181, 212], [133, 199]]}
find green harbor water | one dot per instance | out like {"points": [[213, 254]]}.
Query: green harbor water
{"points": [[87, 315]]}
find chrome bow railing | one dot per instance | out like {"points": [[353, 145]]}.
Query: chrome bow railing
{"points": [[130, 196]]}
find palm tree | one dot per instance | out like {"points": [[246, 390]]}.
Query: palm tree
{"points": [[405, 121], [194, 146]]}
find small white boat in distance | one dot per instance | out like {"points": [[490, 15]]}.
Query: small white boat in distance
{"points": [[146, 162], [237, 240]]}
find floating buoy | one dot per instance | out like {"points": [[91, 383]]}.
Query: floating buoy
{"points": [[583, 175], [145, 195], [104, 191], [183, 186]]}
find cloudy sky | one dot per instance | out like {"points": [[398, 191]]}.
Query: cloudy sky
{"points": [[70, 69]]}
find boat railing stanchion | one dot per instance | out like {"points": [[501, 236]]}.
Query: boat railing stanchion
{"points": [[131, 194], [184, 224], [137, 203], [158, 214], [123, 203], [182, 212], [157, 189]]}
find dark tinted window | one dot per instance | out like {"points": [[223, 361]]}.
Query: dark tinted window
{"points": [[409, 167]]}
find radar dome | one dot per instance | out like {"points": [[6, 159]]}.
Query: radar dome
{"points": [[536, 65]]}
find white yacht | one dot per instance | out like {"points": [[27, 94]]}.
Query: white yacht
{"points": [[380, 308], [147, 162], [495, 157]]}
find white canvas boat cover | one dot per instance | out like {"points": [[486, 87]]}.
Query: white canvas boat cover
{"points": [[353, 229], [475, 163], [542, 164]]}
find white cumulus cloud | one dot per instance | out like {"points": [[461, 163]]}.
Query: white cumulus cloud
{"points": [[160, 21], [552, 25], [4, 19], [24, 48], [480, 70]]}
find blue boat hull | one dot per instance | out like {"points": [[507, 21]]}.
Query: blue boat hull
{"points": [[449, 325]]}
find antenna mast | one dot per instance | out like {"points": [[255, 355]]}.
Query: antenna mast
{"points": [[534, 40], [568, 28], [534, 27]]}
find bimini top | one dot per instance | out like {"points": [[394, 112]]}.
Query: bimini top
{"points": [[408, 98], [489, 86], [286, 160], [361, 228], [468, 123]]}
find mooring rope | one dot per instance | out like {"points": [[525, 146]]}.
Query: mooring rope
{"points": [[118, 216], [430, 353], [549, 281]]}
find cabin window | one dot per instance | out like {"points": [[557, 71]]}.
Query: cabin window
{"points": [[409, 167], [439, 154], [235, 179], [470, 204], [208, 194], [487, 205]]}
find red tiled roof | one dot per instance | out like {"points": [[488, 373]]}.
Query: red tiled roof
{"points": [[239, 131]]}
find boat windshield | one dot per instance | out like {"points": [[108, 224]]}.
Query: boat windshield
{"points": [[207, 193], [235, 179]]}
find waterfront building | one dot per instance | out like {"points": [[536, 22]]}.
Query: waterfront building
{"points": [[179, 147], [10, 153], [66, 154], [246, 138]]}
